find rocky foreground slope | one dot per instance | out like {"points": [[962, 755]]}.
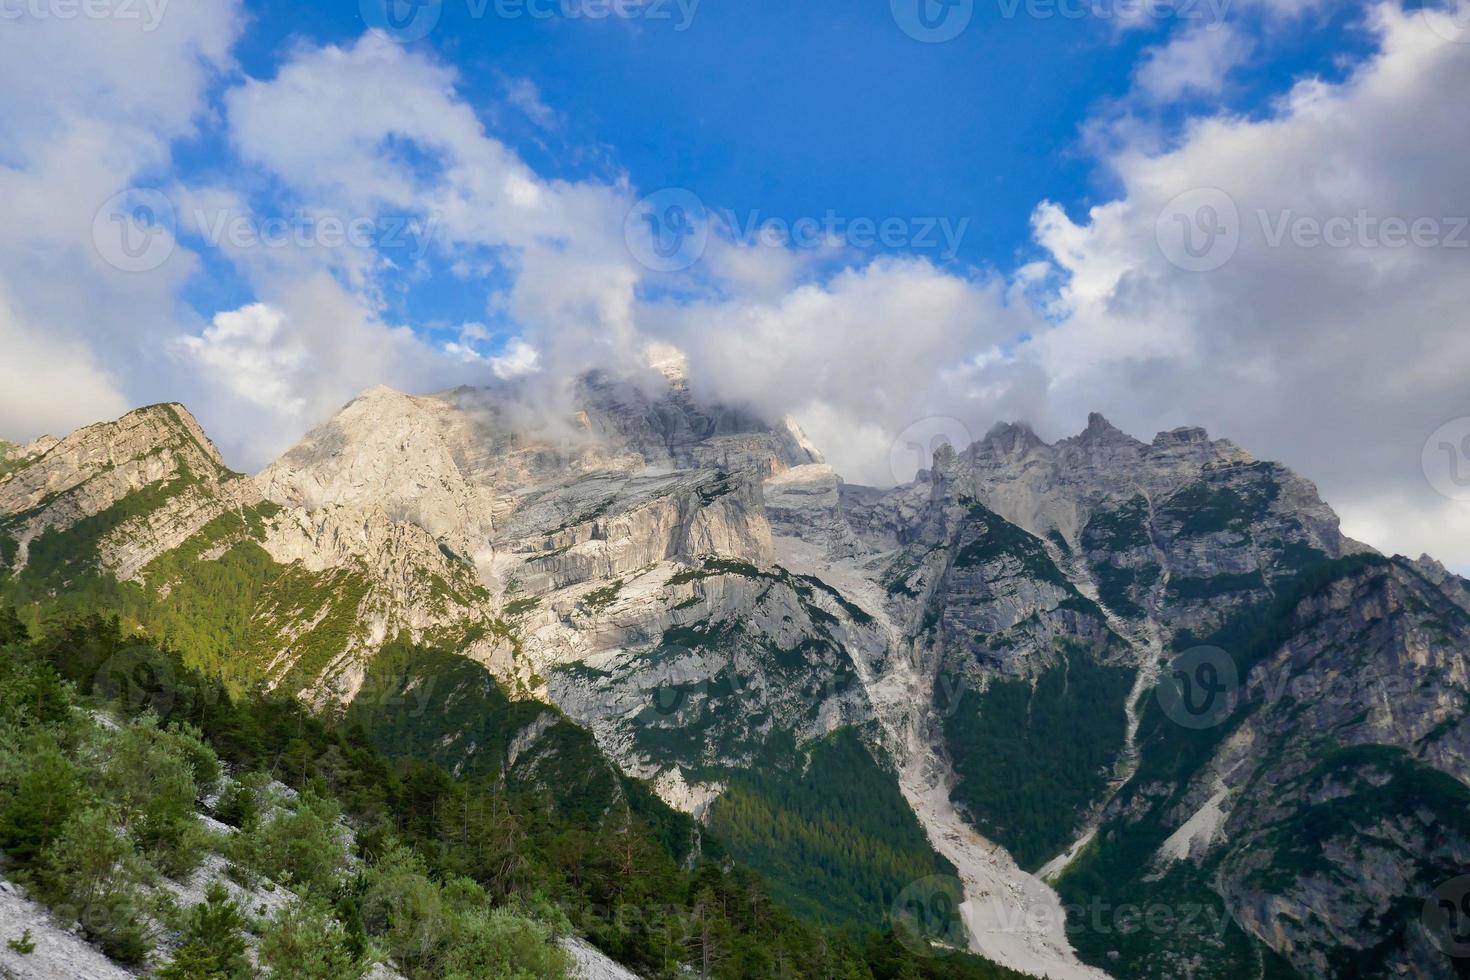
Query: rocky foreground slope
{"points": [[1003, 649]]}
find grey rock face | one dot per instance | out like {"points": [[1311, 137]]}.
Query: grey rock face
{"points": [[160, 449], [689, 583]]}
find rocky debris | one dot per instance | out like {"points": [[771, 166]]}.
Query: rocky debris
{"points": [[591, 963], [59, 953]]}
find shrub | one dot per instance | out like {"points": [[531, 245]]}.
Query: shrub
{"points": [[240, 803], [150, 774], [189, 742], [32, 694], [303, 941], [91, 873], [214, 943], [503, 943], [47, 792], [302, 847], [405, 910]]}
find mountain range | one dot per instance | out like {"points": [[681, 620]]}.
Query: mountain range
{"points": [[1093, 707]]}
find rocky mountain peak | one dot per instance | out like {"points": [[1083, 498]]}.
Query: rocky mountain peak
{"points": [[1100, 430], [160, 453], [155, 442], [610, 469], [1009, 439]]}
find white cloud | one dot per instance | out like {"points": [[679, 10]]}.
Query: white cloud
{"points": [[518, 359], [91, 106], [272, 370], [879, 346], [523, 94], [249, 352], [1193, 63], [515, 360], [49, 385], [334, 125], [1339, 361]]}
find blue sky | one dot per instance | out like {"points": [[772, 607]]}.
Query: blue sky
{"points": [[1088, 212], [779, 110]]}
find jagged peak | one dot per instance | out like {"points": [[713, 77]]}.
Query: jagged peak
{"points": [[1012, 437], [42, 445], [669, 361], [1099, 427], [1101, 432]]}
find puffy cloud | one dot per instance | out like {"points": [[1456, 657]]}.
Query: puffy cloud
{"points": [[91, 107], [272, 370], [1338, 358], [376, 131], [1192, 64], [875, 347], [1339, 361], [516, 358], [249, 352]]}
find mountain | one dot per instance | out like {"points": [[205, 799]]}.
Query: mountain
{"points": [[977, 682]]}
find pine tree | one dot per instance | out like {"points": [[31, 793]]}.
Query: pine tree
{"points": [[214, 946], [47, 795]]}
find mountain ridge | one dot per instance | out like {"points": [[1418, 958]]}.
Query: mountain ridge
{"points": [[694, 586]]}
